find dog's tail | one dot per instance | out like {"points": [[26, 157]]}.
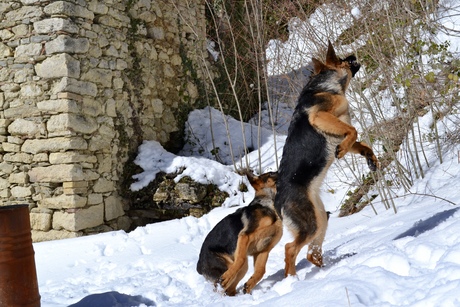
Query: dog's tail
{"points": [[227, 258]]}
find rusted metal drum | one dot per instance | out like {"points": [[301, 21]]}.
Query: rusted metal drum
{"points": [[18, 276]]}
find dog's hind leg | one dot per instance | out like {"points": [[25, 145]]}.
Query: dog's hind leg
{"points": [[315, 252], [260, 260], [291, 250], [232, 276]]}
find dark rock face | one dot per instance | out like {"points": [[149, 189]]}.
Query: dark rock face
{"points": [[166, 199]]}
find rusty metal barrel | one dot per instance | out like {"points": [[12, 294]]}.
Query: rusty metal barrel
{"points": [[18, 275]]}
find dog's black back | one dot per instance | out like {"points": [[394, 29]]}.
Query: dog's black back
{"points": [[305, 156]]}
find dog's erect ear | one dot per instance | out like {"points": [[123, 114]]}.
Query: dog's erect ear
{"points": [[250, 175], [317, 66], [273, 175], [331, 58]]}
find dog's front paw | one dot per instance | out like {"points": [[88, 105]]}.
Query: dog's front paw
{"points": [[246, 289], [225, 280], [339, 152], [373, 163]]}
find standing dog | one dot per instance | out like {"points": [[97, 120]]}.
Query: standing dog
{"points": [[250, 231], [320, 130]]}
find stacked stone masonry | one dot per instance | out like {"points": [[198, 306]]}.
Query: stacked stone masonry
{"points": [[82, 83]]}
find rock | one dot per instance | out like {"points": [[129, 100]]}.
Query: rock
{"points": [[71, 122], [80, 219], [56, 173], [25, 127], [60, 65], [54, 144], [54, 25], [67, 44]]}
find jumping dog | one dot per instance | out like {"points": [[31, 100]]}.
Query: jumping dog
{"points": [[320, 130]]}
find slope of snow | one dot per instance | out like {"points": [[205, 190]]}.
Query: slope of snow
{"points": [[411, 258]]}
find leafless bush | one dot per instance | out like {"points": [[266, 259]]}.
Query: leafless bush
{"points": [[408, 73]]}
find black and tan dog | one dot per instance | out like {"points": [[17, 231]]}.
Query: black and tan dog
{"points": [[250, 231], [320, 130]]}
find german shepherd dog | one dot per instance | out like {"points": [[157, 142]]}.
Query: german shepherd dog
{"points": [[250, 231], [320, 130]]}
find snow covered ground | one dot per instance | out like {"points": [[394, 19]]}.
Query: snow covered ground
{"points": [[408, 258], [411, 258]]}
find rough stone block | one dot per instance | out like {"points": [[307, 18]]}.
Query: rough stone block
{"points": [[75, 86], [20, 178], [72, 122], [59, 106], [113, 208], [5, 194], [56, 173], [103, 185], [30, 91], [75, 191], [41, 157], [68, 9], [5, 51], [99, 76], [46, 26], [21, 192], [75, 187], [26, 128], [70, 157], [63, 202], [9, 147], [79, 219], [15, 140], [94, 199], [4, 183], [40, 219], [75, 184], [4, 123], [6, 167], [54, 145], [72, 96], [28, 50], [91, 106], [21, 111], [67, 44], [57, 66], [100, 143], [98, 7], [23, 13], [111, 109]]}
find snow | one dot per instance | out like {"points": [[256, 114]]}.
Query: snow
{"points": [[408, 258], [411, 258]]}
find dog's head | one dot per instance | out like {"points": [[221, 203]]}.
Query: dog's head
{"points": [[344, 69], [264, 184]]}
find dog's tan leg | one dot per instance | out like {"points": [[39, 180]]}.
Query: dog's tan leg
{"points": [[330, 124], [260, 260], [315, 253], [231, 275], [291, 251], [365, 151], [231, 290]]}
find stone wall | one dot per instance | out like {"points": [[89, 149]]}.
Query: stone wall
{"points": [[82, 83]]}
